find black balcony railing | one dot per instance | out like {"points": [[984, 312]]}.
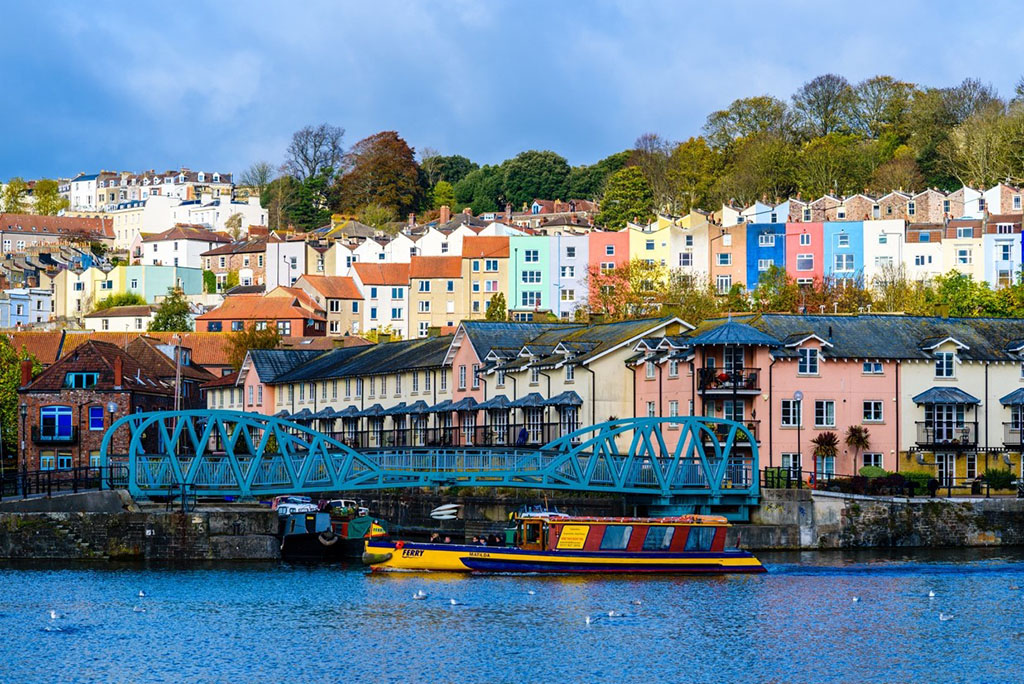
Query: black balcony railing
{"points": [[61, 437], [728, 380], [947, 434], [721, 431], [1012, 435]]}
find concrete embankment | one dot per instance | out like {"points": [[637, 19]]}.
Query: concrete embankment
{"points": [[802, 519]]}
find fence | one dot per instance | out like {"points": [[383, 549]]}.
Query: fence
{"points": [[894, 484], [25, 483]]}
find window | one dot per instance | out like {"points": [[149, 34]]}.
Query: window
{"points": [[373, 293], [841, 214], [807, 214], [876, 211], [609, 250], [531, 256], [397, 292], [284, 328], [945, 207], [842, 240], [881, 261], [766, 240], [658, 538], [791, 413], [95, 417], [426, 381], [424, 306], [570, 372], [397, 312], [607, 266], [824, 413], [844, 262], [55, 422], [568, 271], [1003, 251], [723, 259], [805, 262], [872, 460], [568, 295], [765, 264], [424, 328], [673, 408], [570, 252], [723, 284], [873, 411], [911, 208], [1004, 228], [302, 391], [530, 298], [80, 380], [531, 277], [462, 377], [46, 460], [774, 218], [805, 239], [616, 537], [919, 260], [808, 363], [981, 204], [443, 385], [944, 364], [649, 370], [490, 286], [685, 259], [250, 394], [872, 367], [424, 286], [700, 538], [971, 465], [964, 232], [534, 375], [237, 326], [476, 265]]}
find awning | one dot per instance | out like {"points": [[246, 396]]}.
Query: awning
{"points": [[466, 404], [569, 398], [441, 407], [304, 414], [418, 407], [375, 410], [283, 413], [347, 412], [1014, 398], [497, 403], [324, 414], [531, 400], [945, 395], [395, 410]]}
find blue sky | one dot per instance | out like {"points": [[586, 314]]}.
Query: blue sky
{"points": [[219, 85]]}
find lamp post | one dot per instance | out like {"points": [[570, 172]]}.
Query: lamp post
{"points": [[798, 397], [24, 463]]}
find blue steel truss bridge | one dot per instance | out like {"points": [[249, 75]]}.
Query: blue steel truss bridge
{"points": [[676, 465]]}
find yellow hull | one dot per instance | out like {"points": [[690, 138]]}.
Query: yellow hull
{"points": [[388, 555]]}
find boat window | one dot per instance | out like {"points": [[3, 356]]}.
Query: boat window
{"points": [[533, 533], [616, 537], [700, 538], [658, 538]]}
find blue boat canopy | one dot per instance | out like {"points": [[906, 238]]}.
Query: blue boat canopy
{"points": [[945, 395], [466, 404], [569, 398], [733, 332], [1014, 398], [531, 400], [495, 403]]}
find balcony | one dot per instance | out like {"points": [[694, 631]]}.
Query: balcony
{"points": [[949, 436], [63, 438], [731, 381], [722, 432], [1012, 435]]}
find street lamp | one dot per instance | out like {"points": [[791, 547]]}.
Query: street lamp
{"points": [[798, 397], [24, 462]]}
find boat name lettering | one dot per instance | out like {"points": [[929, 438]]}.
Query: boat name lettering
{"points": [[406, 553], [478, 554]]}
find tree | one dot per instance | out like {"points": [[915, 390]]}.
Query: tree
{"points": [[587, 182], [627, 197], [120, 299], [14, 196], [859, 439], [377, 215], [631, 290], [531, 175], [747, 117], [231, 279], [693, 172], [48, 199], [209, 282], [836, 163], [279, 199], [450, 169], [689, 296], [651, 154], [173, 315], [481, 190], [240, 343], [496, 309], [776, 291], [257, 177], [881, 105], [10, 381], [976, 151], [763, 166], [957, 294], [895, 292], [823, 105], [314, 151], [443, 195], [234, 225], [826, 444], [899, 173], [381, 169]]}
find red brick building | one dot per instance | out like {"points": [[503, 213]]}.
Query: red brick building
{"points": [[246, 258]]}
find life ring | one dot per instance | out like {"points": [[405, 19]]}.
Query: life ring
{"points": [[399, 544], [328, 538]]}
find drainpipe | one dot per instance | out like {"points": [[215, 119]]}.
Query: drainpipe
{"points": [[986, 417], [771, 412], [898, 404], [693, 387], [633, 369], [545, 414], [661, 412], [593, 394]]}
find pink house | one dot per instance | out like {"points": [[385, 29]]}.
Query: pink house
{"points": [[805, 251]]}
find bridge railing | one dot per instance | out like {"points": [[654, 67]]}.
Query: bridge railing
{"points": [[25, 483], [501, 435]]}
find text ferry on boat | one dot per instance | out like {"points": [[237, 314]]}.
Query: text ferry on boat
{"points": [[684, 544]]}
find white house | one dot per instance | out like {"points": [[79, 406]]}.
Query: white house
{"points": [[131, 218], [369, 252], [82, 192], [182, 245], [385, 290], [286, 262], [120, 319], [399, 249], [215, 212]]}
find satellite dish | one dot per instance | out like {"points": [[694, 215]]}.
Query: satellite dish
{"points": [[1006, 459]]}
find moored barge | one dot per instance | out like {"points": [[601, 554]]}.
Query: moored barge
{"points": [[678, 545]]}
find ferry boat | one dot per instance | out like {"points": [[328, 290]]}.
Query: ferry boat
{"points": [[684, 544]]}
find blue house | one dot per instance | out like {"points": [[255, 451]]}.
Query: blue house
{"points": [[766, 247], [844, 248]]}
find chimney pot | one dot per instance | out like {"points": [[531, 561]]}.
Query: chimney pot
{"points": [[118, 372], [412, 219], [446, 214], [26, 373]]}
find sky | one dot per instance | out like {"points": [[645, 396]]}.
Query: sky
{"points": [[217, 86]]}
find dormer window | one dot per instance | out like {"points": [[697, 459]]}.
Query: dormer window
{"points": [[201, 177], [808, 362], [216, 178], [944, 364]]}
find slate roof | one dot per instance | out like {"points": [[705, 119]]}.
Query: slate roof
{"points": [[485, 335], [375, 359], [945, 395], [144, 349], [255, 245], [273, 363], [733, 332], [1014, 398], [600, 338]]}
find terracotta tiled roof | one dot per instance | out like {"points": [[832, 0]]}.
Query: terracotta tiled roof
{"points": [[435, 267], [68, 226], [122, 311], [334, 287], [183, 231], [99, 357], [296, 293], [44, 345], [490, 246], [382, 274], [250, 308]]}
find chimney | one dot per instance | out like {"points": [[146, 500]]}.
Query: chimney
{"points": [[508, 213], [446, 214], [26, 373], [412, 219], [383, 338], [118, 372], [467, 211]]}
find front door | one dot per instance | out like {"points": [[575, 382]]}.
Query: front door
{"points": [[945, 466]]}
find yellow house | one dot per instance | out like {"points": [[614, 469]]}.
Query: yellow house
{"points": [[75, 294], [484, 273], [962, 248], [653, 243], [436, 296]]}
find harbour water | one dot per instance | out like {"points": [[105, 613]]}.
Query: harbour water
{"points": [[283, 623]]}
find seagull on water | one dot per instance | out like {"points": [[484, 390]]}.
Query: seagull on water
{"points": [[612, 613], [945, 618], [419, 595], [531, 592], [637, 602], [856, 598], [589, 619], [931, 594], [142, 594], [454, 602], [138, 609], [54, 615]]}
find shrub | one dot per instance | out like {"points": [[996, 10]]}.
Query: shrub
{"points": [[999, 478], [873, 471], [919, 479]]}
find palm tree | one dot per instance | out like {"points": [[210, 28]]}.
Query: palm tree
{"points": [[858, 439], [826, 445]]}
